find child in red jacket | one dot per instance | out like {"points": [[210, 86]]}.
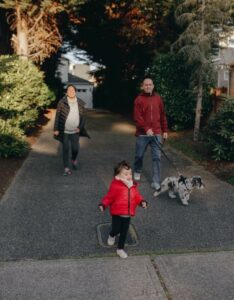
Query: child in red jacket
{"points": [[122, 199]]}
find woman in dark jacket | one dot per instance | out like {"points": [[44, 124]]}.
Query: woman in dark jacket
{"points": [[69, 126]]}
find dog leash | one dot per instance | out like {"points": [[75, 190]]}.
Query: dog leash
{"points": [[160, 145], [182, 178]]}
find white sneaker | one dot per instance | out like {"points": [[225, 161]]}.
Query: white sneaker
{"points": [[137, 176], [110, 240], [121, 253], [171, 195], [156, 186]]}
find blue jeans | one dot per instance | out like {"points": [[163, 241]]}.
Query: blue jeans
{"points": [[142, 143]]}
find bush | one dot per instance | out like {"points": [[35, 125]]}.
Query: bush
{"points": [[219, 133], [23, 94], [11, 146], [12, 140], [172, 78]]}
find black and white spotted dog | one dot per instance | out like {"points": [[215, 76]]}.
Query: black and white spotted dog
{"points": [[180, 186]]}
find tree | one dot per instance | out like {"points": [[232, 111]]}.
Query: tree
{"points": [[23, 95], [178, 99], [120, 36], [202, 21], [36, 35], [34, 23], [49, 67]]}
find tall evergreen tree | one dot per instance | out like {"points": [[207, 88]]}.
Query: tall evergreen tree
{"points": [[34, 25], [204, 22]]}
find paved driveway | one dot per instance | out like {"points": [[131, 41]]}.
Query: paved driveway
{"points": [[46, 215]]}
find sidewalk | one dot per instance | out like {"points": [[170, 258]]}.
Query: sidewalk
{"points": [[207, 276], [48, 243]]}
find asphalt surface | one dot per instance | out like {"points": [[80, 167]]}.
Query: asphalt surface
{"points": [[51, 221]]}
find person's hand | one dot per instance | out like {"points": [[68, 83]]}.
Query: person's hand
{"points": [[56, 133], [77, 130], [149, 132], [165, 135], [101, 207], [144, 204]]}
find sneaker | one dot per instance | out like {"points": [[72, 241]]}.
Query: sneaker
{"points": [[137, 176], [121, 253], [110, 240], [67, 172], [171, 195], [156, 186], [74, 164]]}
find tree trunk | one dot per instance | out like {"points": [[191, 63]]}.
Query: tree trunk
{"points": [[198, 112], [200, 86], [21, 44]]}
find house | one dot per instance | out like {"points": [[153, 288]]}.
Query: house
{"points": [[81, 70], [83, 82], [225, 66]]}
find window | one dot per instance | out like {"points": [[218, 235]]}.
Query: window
{"points": [[231, 42], [226, 75]]}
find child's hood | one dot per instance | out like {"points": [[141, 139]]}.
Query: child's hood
{"points": [[128, 183]]}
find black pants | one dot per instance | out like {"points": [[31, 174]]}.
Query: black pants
{"points": [[68, 139], [120, 226]]}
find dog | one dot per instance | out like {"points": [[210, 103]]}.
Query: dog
{"points": [[181, 186]]}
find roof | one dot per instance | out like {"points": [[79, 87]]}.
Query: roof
{"points": [[77, 80], [82, 71]]}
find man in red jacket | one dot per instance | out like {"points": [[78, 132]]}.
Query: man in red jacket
{"points": [[151, 127]]}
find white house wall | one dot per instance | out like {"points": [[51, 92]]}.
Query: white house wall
{"points": [[85, 93], [224, 64]]}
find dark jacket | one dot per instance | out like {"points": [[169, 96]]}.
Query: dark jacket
{"points": [[149, 113], [62, 112]]}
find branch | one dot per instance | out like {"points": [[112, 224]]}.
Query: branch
{"points": [[36, 22]]}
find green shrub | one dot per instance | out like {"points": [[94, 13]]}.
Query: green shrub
{"points": [[172, 78], [219, 133], [11, 146], [23, 94], [12, 140]]}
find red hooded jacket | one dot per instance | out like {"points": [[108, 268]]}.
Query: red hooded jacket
{"points": [[149, 114], [121, 199]]}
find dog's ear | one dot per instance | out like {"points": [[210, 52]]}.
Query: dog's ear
{"points": [[197, 181], [194, 180], [182, 179], [201, 183]]}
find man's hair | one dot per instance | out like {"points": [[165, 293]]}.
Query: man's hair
{"points": [[147, 77], [120, 166], [71, 85]]}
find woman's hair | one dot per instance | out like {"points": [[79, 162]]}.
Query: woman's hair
{"points": [[70, 85], [120, 166]]}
